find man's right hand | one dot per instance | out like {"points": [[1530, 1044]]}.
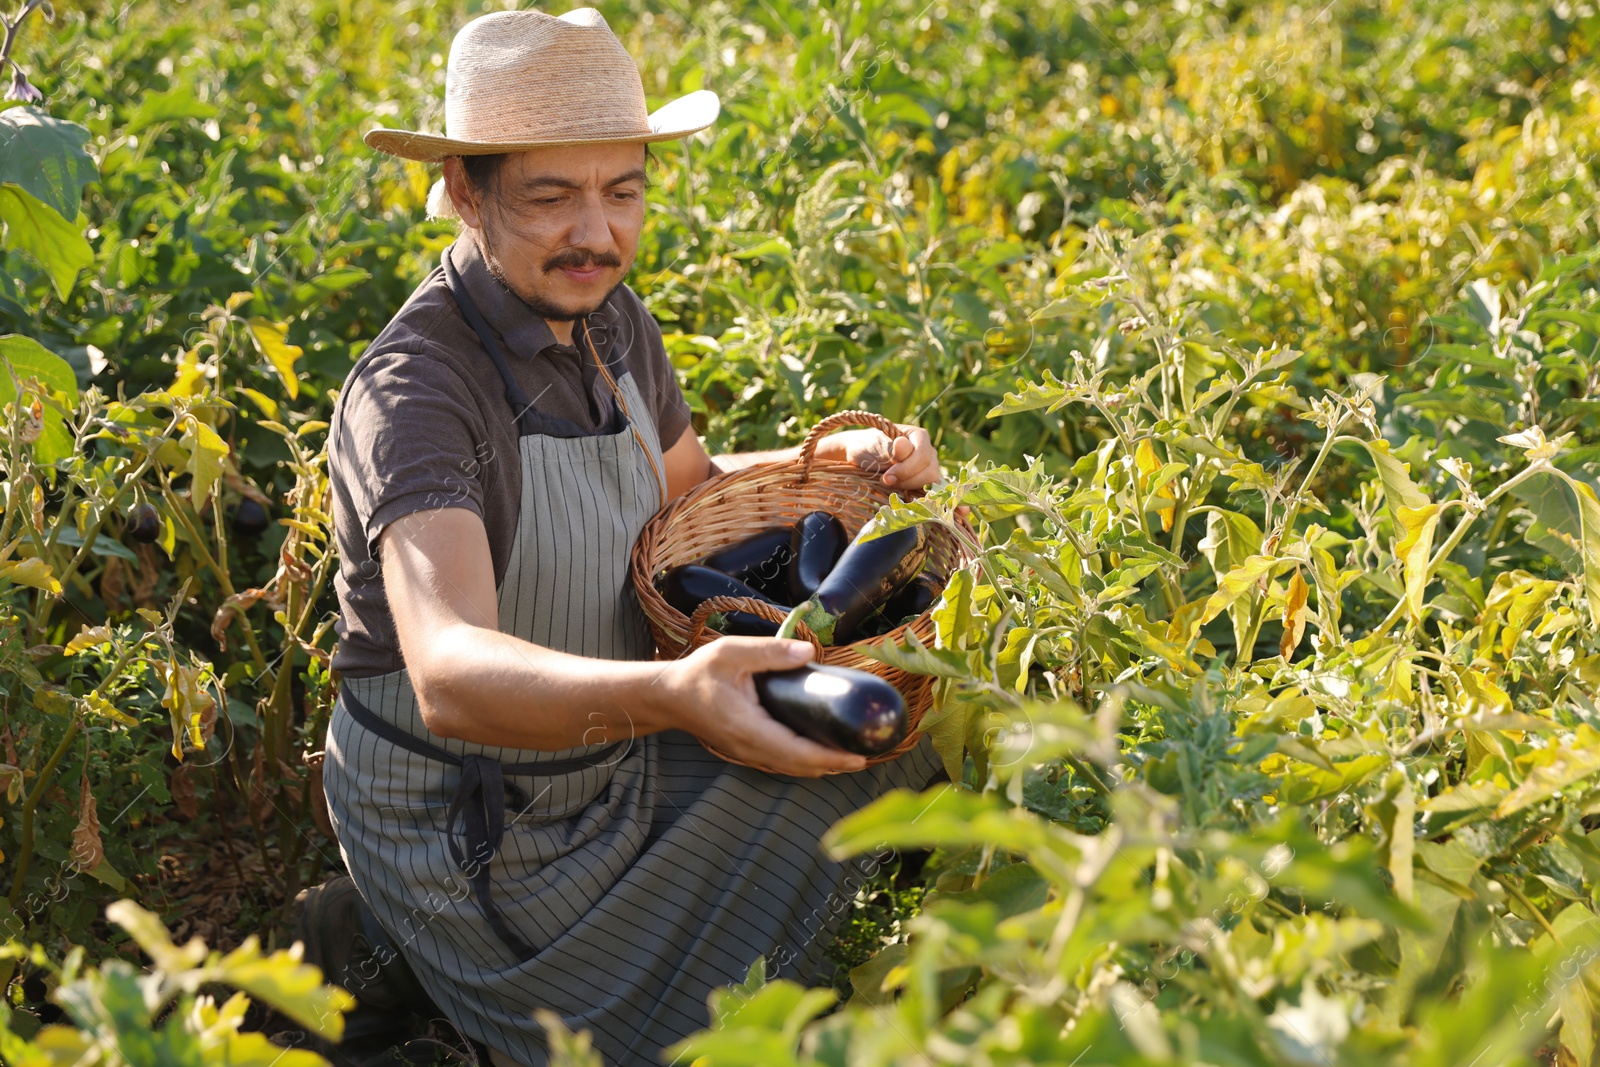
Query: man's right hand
{"points": [[712, 694]]}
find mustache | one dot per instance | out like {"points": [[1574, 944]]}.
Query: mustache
{"points": [[581, 259]]}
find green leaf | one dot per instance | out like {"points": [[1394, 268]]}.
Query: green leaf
{"points": [[328, 284], [30, 359], [1031, 396], [1231, 538], [27, 359], [910, 654], [1589, 543], [42, 233], [1483, 304], [947, 725], [1557, 526], [1398, 488], [44, 156], [272, 341], [945, 816]]}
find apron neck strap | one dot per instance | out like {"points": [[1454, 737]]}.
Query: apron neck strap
{"points": [[521, 406]]}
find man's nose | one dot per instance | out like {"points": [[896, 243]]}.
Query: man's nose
{"points": [[591, 229]]}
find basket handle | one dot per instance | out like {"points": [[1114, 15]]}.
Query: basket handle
{"points": [[838, 420], [770, 612]]}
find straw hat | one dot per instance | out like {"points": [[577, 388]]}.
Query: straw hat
{"points": [[524, 79]]}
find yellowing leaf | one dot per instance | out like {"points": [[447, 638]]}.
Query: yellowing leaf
{"points": [[151, 935], [34, 572], [11, 775], [1305, 783], [193, 710], [96, 704], [1235, 584], [206, 451], [1415, 549], [1398, 488], [1153, 473], [1294, 615], [88, 637], [272, 339], [292, 987], [1572, 763]]}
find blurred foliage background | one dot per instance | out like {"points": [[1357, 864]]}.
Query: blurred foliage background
{"points": [[916, 208]]}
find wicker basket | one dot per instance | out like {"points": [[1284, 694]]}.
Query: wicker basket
{"points": [[730, 507]]}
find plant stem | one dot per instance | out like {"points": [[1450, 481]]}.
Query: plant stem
{"points": [[47, 774], [31, 804]]}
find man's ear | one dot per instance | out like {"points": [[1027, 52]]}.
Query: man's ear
{"points": [[459, 190]]}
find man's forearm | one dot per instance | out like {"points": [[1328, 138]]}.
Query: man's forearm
{"points": [[491, 688], [739, 460]]}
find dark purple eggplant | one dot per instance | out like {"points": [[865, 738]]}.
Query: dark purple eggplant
{"points": [[818, 541], [761, 562], [866, 576], [742, 624], [837, 706], [143, 523], [250, 518], [909, 603], [686, 587]]}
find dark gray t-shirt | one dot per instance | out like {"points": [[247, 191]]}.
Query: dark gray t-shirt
{"points": [[423, 423]]}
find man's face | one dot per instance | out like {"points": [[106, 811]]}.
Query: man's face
{"points": [[561, 224]]}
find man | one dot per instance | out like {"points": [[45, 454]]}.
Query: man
{"points": [[516, 785]]}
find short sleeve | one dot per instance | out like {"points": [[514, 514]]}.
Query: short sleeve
{"points": [[652, 370], [407, 436]]}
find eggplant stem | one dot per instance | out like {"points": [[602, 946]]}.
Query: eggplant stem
{"points": [[814, 616], [790, 622]]}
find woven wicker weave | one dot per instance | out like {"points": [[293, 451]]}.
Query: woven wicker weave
{"points": [[730, 507]]}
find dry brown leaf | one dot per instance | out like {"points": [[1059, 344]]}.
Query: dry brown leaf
{"points": [[87, 850], [182, 786]]}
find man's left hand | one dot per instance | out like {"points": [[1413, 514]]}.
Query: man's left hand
{"points": [[907, 462]]}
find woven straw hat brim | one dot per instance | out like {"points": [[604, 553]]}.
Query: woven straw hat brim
{"points": [[683, 116]]}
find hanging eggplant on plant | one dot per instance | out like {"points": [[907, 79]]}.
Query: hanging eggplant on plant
{"points": [[818, 541], [836, 706], [866, 576], [761, 562]]}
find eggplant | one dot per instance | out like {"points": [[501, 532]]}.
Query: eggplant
{"points": [[818, 541], [837, 706], [686, 587], [761, 562], [866, 576], [743, 624], [909, 603], [143, 522], [250, 518]]}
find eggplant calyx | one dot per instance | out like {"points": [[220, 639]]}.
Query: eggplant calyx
{"points": [[814, 616]]}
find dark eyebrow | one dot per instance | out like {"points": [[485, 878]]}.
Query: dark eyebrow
{"points": [[553, 181]]}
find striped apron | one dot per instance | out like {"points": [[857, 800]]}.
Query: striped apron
{"points": [[616, 885]]}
